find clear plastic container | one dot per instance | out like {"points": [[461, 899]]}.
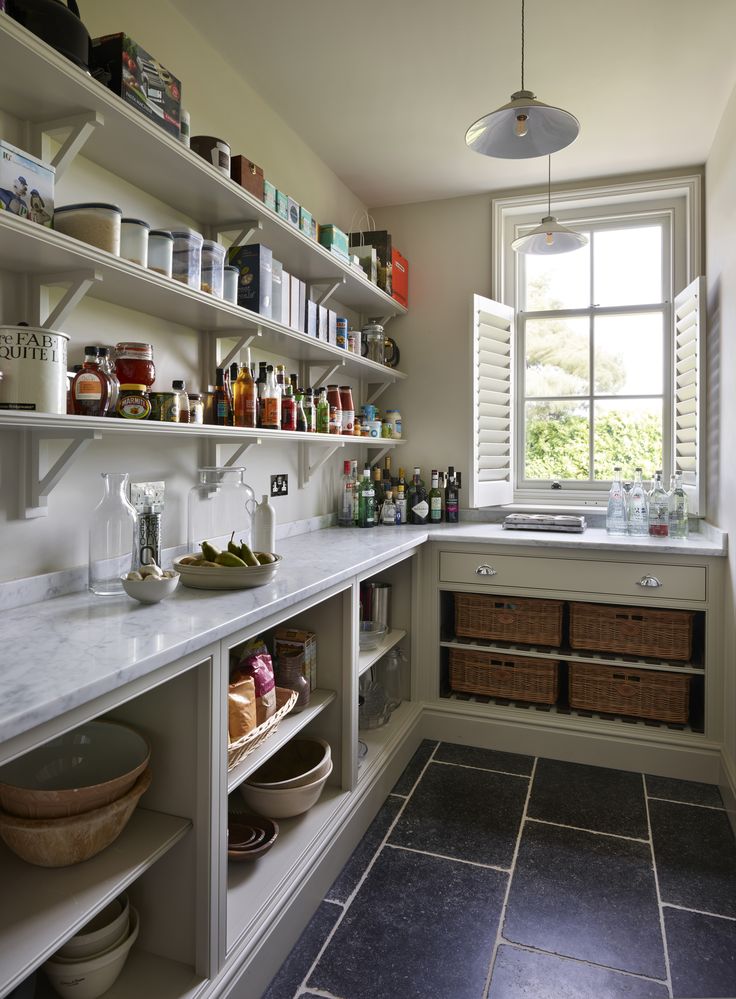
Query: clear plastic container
{"points": [[230, 283], [160, 251], [134, 241], [92, 222], [219, 504], [213, 263], [187, 263]]}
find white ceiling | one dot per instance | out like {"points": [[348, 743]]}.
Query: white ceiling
{"points": [[384, 90]]}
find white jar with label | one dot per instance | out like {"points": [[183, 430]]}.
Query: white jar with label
{"points": [[33, 365], [393, 416]]}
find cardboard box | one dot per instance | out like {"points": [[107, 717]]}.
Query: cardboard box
{"points": [[332, 327], [322, 322], [133, 74], [255, 283], [245, 172], [305, 222], [334, 239], [282, 205], [277, 289], [269, 195], [294, 302], [292, 212], [311, 328], [26, 185], [380, 240], [400, 278], [285, 299], [302, 306], [306, 642]]}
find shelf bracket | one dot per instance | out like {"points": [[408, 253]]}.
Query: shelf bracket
{"points": [[327, 373], [79, 126], [34, 488], [330, 284], [242, 344], [383, 450], [306, 468], [374, 391], [244, 230], [240, 451], [79, 283]]}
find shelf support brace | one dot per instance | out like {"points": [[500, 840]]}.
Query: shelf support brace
{"points": [[80, 126], [306, 468], [35, 488], [240, 451], [380, 454], [244, 230], [330, 284], [79, 284], [242, 344], [327, 373], [374, 391]]}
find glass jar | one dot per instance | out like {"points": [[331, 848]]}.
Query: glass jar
{"points": [[373, 342], [390, 670], [112, 534], [290, 674], [213, 263], [160, 251], [393, 416], [133, 402], [134, 241], [220, 503], [92, 222], [187, 263], [134, 364], [196, 407]]}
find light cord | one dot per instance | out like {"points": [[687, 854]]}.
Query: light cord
{"points": [[522, 44]]}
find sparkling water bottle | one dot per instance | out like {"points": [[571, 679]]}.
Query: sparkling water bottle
{"points": [[677, 507], [659, 508], [616, 513], [638, 508]]}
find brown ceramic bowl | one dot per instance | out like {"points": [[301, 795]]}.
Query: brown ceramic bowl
{"points": [[82, 770], [266, 833], [65, 841]]}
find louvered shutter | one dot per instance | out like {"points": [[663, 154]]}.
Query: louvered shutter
{"points": [[493, 381], [688, 417]]}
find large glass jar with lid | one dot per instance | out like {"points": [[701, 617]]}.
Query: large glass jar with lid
{"points": [[220, 503]]}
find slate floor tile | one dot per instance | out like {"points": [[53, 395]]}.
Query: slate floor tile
{"points": [[684, 790], [419, 927], [523, 974], [586, 896], [292, 972], [414, 767], [702, 954], [468, 814], [597, 798], [485, 759], [695, 853], [347, 880]]}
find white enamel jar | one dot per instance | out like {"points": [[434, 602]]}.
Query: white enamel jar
{"points": [[33, 364]]}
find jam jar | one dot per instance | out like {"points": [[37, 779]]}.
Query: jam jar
{"points": [[134, 364]]}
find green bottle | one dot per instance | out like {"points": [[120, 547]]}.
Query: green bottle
{"points": [[366, 501], [323, 413]]}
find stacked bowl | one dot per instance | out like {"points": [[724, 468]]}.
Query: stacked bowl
{"points": [[249, 836], [67, 800], [291, 781]]}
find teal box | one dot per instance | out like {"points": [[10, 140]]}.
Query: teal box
{"points": [[334, 239], [305, 222], [282, 205], [269, 195]]}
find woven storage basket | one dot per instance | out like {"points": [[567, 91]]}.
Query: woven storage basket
{"points": [[510, 619], [497, 675], [237, 751], [637, 692], [638, 631]]}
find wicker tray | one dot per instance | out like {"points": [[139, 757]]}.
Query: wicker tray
{"points": [[237, 751], [637, 692], [638, 631], [510, 619], [498, 675]]}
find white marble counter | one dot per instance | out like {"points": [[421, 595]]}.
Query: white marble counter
{"points": [[66, 651]]}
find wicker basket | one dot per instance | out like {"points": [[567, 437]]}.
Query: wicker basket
{"points": [[637, 631], [510, 619], [637, 692], [237, 751], [495, 674]]}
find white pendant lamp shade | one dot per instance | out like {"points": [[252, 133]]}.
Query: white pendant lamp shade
{"points": [[523, 128], [549, 238]]}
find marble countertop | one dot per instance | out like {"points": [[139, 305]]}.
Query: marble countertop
{"points": [[64, 652]]}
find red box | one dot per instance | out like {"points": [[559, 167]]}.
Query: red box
{"points": [[400, 278]]}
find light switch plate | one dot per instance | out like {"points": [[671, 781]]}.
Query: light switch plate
{"points": [[280, 485]]}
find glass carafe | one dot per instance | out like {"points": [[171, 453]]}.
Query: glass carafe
{"points": [[220, 503], [112, 532]]}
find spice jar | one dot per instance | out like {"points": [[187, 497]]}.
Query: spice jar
{"points": [[134, 364], [187, 262], [213, 262], [160, 251], [196, 407], [134, 241]]}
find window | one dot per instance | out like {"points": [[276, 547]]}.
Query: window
{"points": [[595, 366]]}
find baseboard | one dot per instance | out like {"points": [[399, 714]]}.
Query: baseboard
{"points": [[727, 785]]}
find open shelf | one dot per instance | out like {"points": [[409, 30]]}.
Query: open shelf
{"points": [[51, 904], [383, 741], [370, 656], [144, 974]]}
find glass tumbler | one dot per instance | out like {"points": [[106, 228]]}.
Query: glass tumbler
{"points": [[220, 503], [290, 674], [112, 532]]}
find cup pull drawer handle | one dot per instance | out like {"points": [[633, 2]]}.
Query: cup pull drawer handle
{"points": [[649, 581], [485, 570]]}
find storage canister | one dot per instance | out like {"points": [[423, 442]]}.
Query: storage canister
{"points": [[393, 417], [134, 364], [160, 251], [134, 241], [213, 262], [187, 263], [33, 362], [92, 222], [230, 283], [215, 151]]}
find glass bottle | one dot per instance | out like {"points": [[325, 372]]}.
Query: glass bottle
{"points": [[335, 404], [388, 482], [105, 361], [379, 491], [322, 410], [435, 499], [616, 511], [452, 505], [658, 508], [677, 508], [244, 399], [271, 412], [288, 409], [290, 674], [310, 412], [388, 510], [179, 386], [112, 534], [417, 500], [221, 502], [348, 410], [366, 501], [400, 505], [390, 671], [301, 416], [356, 490], [345, 511], [637, 507], [221, 405], [91, 387]]}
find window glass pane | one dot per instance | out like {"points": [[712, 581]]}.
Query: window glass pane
{"points": [[561, 281], [628, 354], [628, 432], [557, 440], [627, 265], [557, 357]]}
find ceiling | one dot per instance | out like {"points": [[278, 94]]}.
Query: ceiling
{"points": [[384, 90]]}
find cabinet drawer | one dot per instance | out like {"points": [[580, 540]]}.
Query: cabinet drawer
{"points": [[678, 582]]}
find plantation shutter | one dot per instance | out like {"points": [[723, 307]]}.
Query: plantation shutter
{"points": [[493, 380], [688, 397]]}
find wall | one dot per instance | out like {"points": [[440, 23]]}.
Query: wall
{"points": [[221, 103]]}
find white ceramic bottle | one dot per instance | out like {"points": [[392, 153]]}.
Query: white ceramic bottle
{"points": [[264, 527]]}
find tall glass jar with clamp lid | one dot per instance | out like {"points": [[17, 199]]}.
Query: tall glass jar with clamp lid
{"points": [[220, 503]]}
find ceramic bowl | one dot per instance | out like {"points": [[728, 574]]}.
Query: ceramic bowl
{"points": [[203, 577], [79, 771], [151, 589], [60, 842], [283, 802], [108, 928], [87, 979], [240, 825], [299, 762]]}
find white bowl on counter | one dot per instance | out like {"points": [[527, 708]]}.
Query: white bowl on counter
{"points": [[152, 589]]}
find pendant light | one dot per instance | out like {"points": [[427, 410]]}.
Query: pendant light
{"points": [[523, 128], [550, 237]]}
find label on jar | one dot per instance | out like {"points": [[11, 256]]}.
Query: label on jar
{"points": [[133, 406], [88, 386], [270, 416], [348, 421]]}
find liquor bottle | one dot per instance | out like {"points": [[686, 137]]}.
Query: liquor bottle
{"points": [[310, 411], [301, 416], [322, 410], [91, 386], [658, 508], [288, 409], [378, 488], [245, 403], [400, 505], [260, 390], [401, 480], [294, 381], [417, 501], [435, 499], [271, 413], [221, 406], [280, 370], [452, 501], [388, 510], [346, 511], [616, 511], [356, 484], [388, 482], [637, 508], [366, 501], [677, 508]]}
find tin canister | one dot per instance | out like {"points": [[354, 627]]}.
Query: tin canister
{"points": [[33, 362], [165, 406]]}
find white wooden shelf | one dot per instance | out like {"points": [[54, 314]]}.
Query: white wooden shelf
{"points": [[144, 974], [51, 904], [382, 742], [370, 656]]}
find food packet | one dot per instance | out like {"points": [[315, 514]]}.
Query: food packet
{"points": [[255, 661], [241, 708]]}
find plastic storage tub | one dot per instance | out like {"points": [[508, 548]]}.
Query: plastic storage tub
{"points": [[231, 275], [187, 262], [134, 241], [213, 263], [160, 251], [91, 222]]}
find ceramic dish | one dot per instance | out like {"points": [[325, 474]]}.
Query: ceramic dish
{"points": [[284, 802], [266, 829], [299, 762], [151, 589], [109, 927], [203, 577], [87, 979]]}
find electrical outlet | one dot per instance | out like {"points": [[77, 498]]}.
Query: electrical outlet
{"points": [[147, 494], [280, 485]]}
